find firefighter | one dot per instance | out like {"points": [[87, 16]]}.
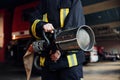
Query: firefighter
{"points": [[51, 15]]}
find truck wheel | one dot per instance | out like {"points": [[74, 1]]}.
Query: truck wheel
{"points": [[114, 59]]}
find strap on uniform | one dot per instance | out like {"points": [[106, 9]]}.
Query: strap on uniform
{"points": [[45, 17], [63, 13]]}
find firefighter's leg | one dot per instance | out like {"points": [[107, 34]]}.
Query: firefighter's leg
{"points": [[49, 75], [74, 73]]}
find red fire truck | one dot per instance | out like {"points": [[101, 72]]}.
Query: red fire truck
{"points": [[14, 33]]}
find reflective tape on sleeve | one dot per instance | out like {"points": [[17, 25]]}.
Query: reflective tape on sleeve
{"points": [[33, 28]]}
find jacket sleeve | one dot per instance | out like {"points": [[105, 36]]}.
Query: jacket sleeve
{"points": [[36, 20]]}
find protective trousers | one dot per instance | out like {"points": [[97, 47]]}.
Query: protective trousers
{"points": [[73, 73]]}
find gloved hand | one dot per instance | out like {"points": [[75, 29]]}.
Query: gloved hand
{"points": [[48, 28], [55, 56]]}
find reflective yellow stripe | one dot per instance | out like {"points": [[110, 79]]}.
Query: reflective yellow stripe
{"points": [[72, 60], [45, 17], [63, 14], [42, 60], [33, 28], [69, 60], [61, 17]]}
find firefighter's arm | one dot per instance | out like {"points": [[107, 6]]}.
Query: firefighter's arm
{"points": [[38, 18]]}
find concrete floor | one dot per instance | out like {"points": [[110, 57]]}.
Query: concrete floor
{"points": [[102, 71], [92, 71]]}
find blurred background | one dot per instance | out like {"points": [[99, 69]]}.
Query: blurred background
{"points": [[102, 63]]}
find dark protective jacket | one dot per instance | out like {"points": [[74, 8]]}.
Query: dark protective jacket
{"points": [[64, 14]]}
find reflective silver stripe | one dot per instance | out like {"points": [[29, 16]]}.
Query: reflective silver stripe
{"points": [[81, 79]]}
